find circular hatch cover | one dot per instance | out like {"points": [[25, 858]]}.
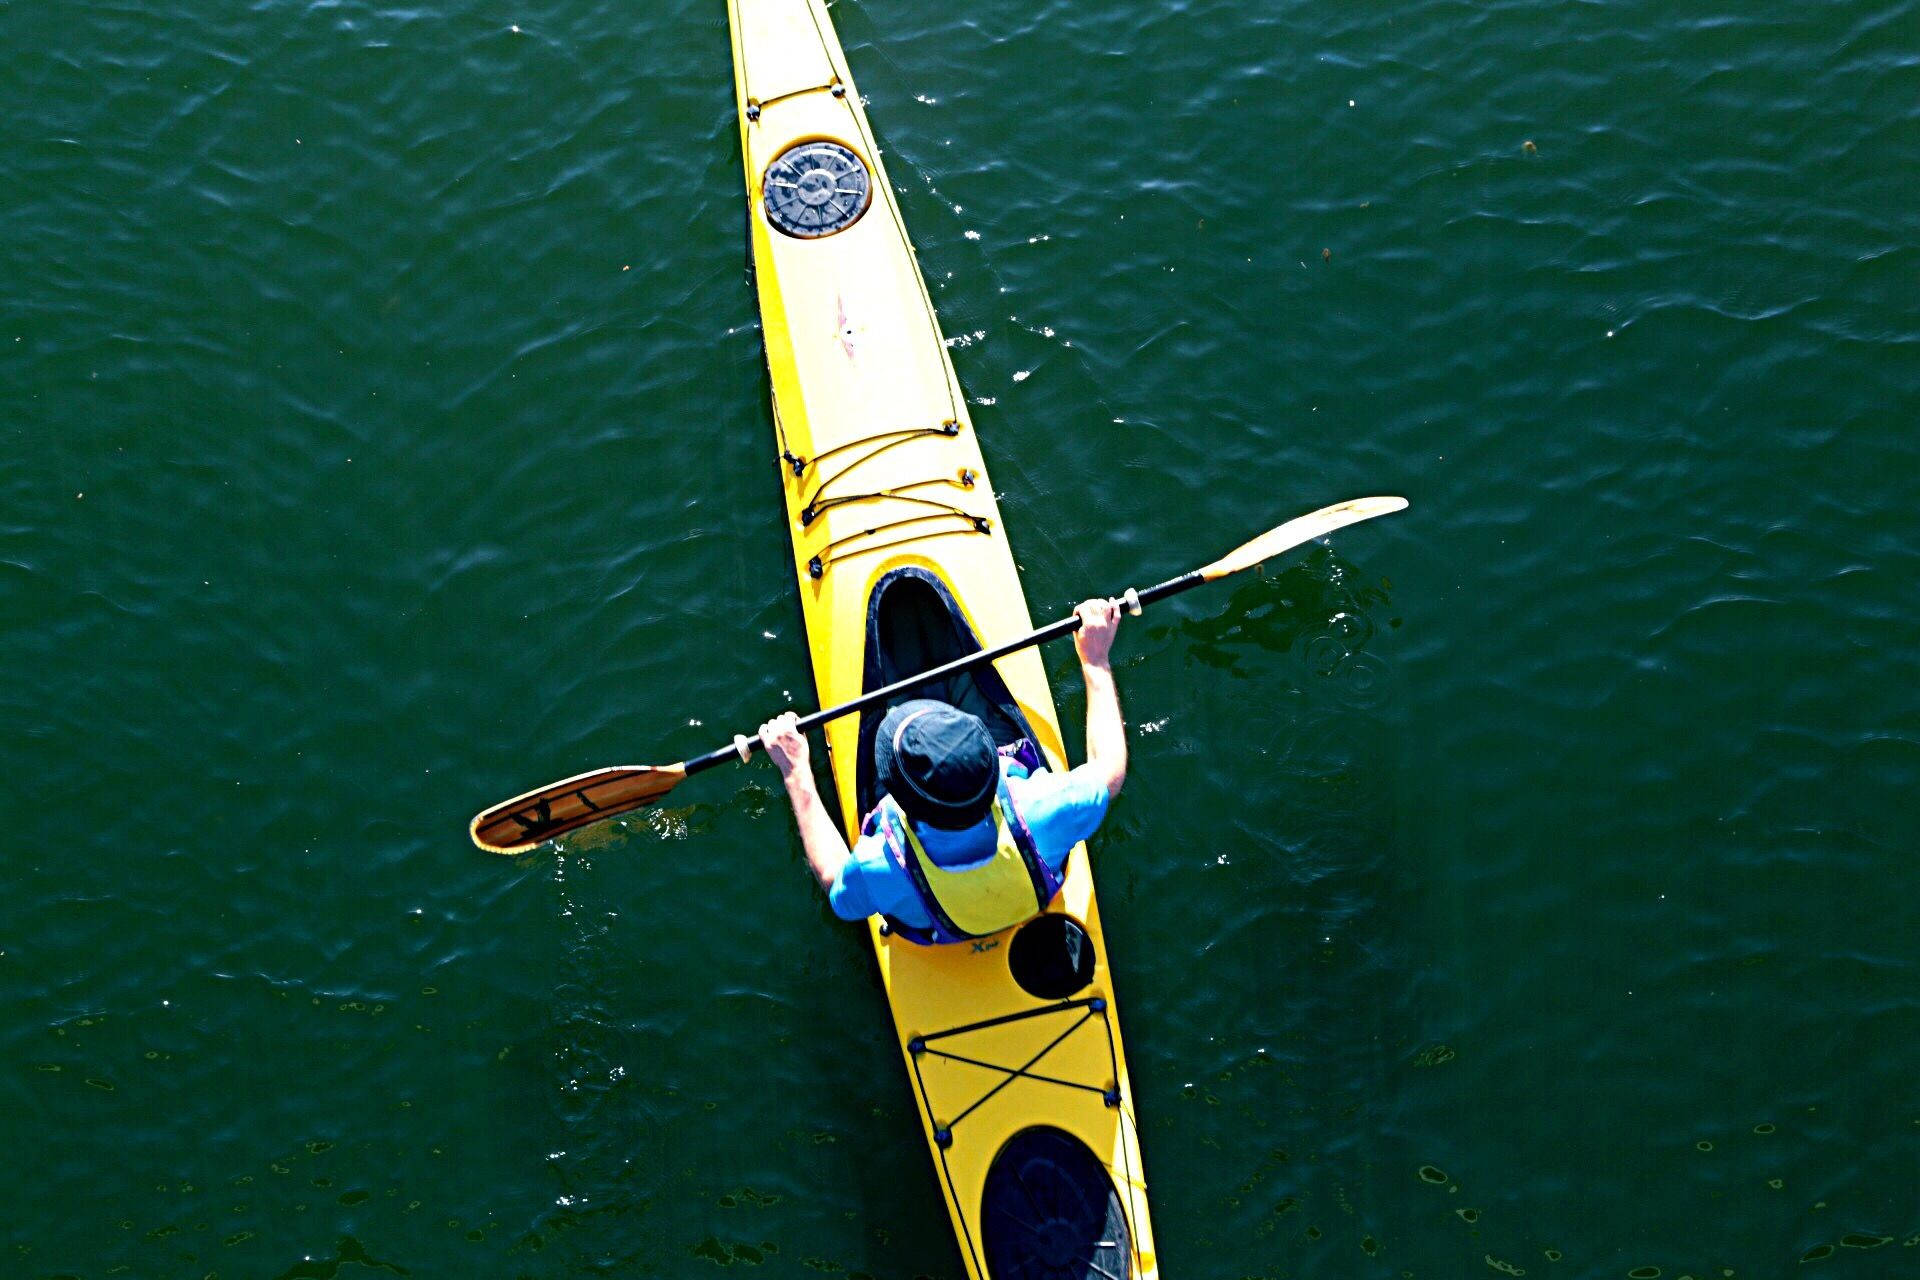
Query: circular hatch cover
{"points": [[1049, 1212], [815, 189], [1051, 957]]}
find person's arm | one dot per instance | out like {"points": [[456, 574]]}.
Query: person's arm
{"points": [[1106, 730], [826, 848]]}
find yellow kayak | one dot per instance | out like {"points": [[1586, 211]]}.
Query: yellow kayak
{"points": [[1011, 1043]]}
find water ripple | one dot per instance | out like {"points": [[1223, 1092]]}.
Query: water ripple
{"points": [[365, 368]]}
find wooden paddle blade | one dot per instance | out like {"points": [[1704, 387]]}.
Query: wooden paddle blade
{"points": [[528, 821], [1286, 537]]}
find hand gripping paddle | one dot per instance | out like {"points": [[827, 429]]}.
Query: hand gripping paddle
{"points": [[529, 820]]}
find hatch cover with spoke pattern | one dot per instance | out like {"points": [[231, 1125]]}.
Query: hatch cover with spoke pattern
{"points": [[815, 189], [1049, 1212]]}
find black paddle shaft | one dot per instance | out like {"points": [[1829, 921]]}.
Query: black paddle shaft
{"points": [[878, 697]]}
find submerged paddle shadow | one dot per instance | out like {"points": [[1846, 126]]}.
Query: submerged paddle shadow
{"points": [[1316, 605]]}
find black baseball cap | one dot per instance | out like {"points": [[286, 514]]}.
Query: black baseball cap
{"points": [[937, 762]]}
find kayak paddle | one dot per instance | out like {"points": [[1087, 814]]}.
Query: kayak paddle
{"points": [[527, 821]]}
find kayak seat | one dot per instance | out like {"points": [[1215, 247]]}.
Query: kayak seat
{"points": [[914, 624]]}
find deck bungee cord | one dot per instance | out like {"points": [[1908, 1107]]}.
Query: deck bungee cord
{"points": [[819, 502], [942, 1129], [950, 517]]}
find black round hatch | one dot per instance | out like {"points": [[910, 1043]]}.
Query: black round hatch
{"points": [[1051, 957], [816, 188], [1049, 1212]]}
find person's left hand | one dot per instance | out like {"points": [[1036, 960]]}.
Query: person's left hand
{"points": [[786, 745]]}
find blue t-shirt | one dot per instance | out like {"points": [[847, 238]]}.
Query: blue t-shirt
{"points": [[1061, 810]]}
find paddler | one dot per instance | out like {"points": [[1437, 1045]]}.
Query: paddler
{"points": [[969, 839]]}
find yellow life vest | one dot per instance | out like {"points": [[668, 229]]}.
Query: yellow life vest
{"points": [[988, 896]]}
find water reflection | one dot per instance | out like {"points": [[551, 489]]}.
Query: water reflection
{"points": [[1317, 605]]}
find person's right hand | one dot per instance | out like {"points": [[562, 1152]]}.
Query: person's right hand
{"points": [[786, 745], [1099, 621]]}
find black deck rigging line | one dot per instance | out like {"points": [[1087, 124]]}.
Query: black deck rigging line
{"points": [[1022, 1072], [1097, 1003], [964, 480], [1018, 1072], [817, 567], [756, 105], [947, 428], [918, 1047], [813, 510], [881, 442], [1127, 1121], [787, 455]]}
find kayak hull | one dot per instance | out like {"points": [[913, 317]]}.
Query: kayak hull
{"points": [[881, 472]]}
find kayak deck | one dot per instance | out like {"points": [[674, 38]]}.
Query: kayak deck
{"points": [[881, 473]]}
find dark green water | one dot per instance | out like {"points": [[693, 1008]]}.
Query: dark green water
{"points": [[1525, 883]]}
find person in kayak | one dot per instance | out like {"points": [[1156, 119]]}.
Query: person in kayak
{"points": [[968, 840]]}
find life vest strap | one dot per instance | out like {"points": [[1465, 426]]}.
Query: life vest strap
{"points": [[977, 901]]}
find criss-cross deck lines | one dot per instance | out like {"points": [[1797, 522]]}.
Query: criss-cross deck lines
{"points": [[1077, 1019], [1091, 1008]]}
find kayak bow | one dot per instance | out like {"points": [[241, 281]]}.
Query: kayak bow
{"points": [[1012, 1043]]}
